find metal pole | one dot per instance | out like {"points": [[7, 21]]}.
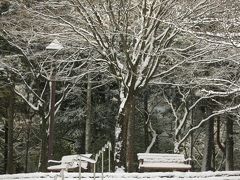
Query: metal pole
{"points": [[102, 163], [109, 159], [80, 168], [52, 116], [94, 171]]}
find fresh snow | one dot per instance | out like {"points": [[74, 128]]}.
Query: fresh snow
{"points": [[220, 175]]}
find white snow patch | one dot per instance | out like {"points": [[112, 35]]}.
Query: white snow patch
{"points": [[120, 170], [117, 131], [219, 175]]}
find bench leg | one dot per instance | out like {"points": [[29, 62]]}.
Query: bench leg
{"points": [[80, 170], [140, 170], [62, 174]]}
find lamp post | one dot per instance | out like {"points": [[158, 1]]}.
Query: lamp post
{"points": [[54, 46]]}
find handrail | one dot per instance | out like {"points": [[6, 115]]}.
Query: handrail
{"points": [[81, 158], [108, 146]]}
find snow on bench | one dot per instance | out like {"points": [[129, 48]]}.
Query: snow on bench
{"points": [[71, 162], [162, 162]]}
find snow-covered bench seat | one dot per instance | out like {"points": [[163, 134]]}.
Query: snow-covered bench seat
{"points": [[71, 162], [162, 162]]}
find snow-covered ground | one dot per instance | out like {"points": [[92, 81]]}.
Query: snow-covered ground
{"points": [[224, 175]]}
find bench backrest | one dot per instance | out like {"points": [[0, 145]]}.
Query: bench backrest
{"points": [[68, 159], [72, 158], [163, 158]]}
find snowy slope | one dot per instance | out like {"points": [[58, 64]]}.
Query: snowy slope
{"points": [[230, 175]]}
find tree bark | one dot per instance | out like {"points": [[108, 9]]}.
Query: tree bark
{"points": [[89, 115], [124, 147], [192, 139], [220, 145], [5, 146], [208, 146], [43, 152], [229, 165], [10, 157], [120, 146], [27, 147], [146, 123], [130, 135]]}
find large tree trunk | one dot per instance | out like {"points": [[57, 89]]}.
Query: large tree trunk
{"points": [[5, 146], [120, 146], [192, 139], [10, 157], [146, 122], [43, 152], [218, 138], [130, 136], [229, 166], [52, 116], [27, 147], [208, 146], [89, 115], [124, 148]]}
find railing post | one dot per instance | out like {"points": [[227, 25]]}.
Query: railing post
{"points": [[109, 156], [80, 167], [102, 162], [101, 152], [94, 167]]}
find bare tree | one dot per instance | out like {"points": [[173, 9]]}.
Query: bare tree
{"points": [[139, 41], [36, 77]]}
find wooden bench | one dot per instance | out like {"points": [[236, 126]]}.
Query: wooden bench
{"points": [[71, 162], [162, 162]]}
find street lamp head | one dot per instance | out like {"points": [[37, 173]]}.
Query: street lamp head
{"points": [[54, 45]]}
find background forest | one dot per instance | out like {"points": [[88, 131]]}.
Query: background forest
{"points": [[157, 76]]}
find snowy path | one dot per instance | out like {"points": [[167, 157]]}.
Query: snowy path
{"points": [[224, 175]]}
